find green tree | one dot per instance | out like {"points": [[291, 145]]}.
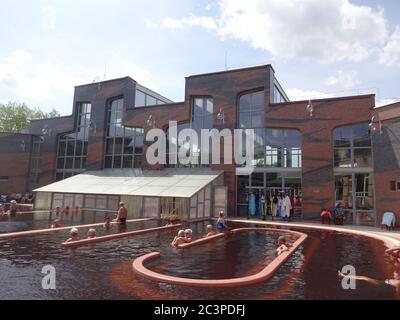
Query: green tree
{"points": [[15, 117]]}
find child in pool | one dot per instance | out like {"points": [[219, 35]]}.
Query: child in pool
{"points": [[179, 239], [74, 235]]}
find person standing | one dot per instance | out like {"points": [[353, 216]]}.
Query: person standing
{"points": [[122, 213], [13, 208]]}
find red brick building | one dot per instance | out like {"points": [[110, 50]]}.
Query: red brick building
{"points": [[317, 152]]}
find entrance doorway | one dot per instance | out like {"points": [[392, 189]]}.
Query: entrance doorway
{"points": [[356, 193], [268, 185]]}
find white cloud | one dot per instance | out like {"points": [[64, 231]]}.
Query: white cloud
{"points": [[330, 30], [296, 94], [49, 18], [207, 23], [45, 80], [18, 57], [208, 7], [386, 101], [172, 23], [30, 79], [343, 79], [391, 52]]}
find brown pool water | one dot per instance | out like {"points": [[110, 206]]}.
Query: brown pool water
{"points": [[103, 271]]}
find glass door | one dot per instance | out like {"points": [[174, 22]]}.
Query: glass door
{"points": [[359, 205]]}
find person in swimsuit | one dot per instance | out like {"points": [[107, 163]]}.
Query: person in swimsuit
{"points": [[395, 282], [107, 223], [74, 235], [221, 226], [210, 231], [56, 224], [13, 208], [179, 239], [188, 235], [122, 213], [91, 233], [282, 246]]}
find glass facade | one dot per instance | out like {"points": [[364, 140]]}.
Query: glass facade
{"points": [[278, 95], [72, 147], [251, 110], [352, 147], [124, 146], [268, 185], [35, 163], [353, 166], [142, 99], [202, 118]]}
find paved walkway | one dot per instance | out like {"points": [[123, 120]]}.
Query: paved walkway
{"points": [[315, 225]]}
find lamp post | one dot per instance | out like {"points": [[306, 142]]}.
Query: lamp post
{"points": [[46, 131], [22, 145], [221, 116], [372, 125], [92, 126], [150, 122], [310, 108]]}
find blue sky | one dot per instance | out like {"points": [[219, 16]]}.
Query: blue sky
{"points": [[318, 48]]}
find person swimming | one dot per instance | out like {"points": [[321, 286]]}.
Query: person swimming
{"points": [[210, 231], [58, 210], [282, 245], [179, 239], [221, 226], [395, 282], [56, 224], [74, 235], [91, 233], [188, 235], [107, 223]]}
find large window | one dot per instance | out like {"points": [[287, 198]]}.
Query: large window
{"points": [[354, 185], [124, 146], [202, 118], [72, 147], [142, 99], [268, 185], [279, 97], [352, 147], [35, 163], [277, 148], [251, 110]]}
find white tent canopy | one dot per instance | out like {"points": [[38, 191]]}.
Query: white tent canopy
{"points": [[180, 182]]}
